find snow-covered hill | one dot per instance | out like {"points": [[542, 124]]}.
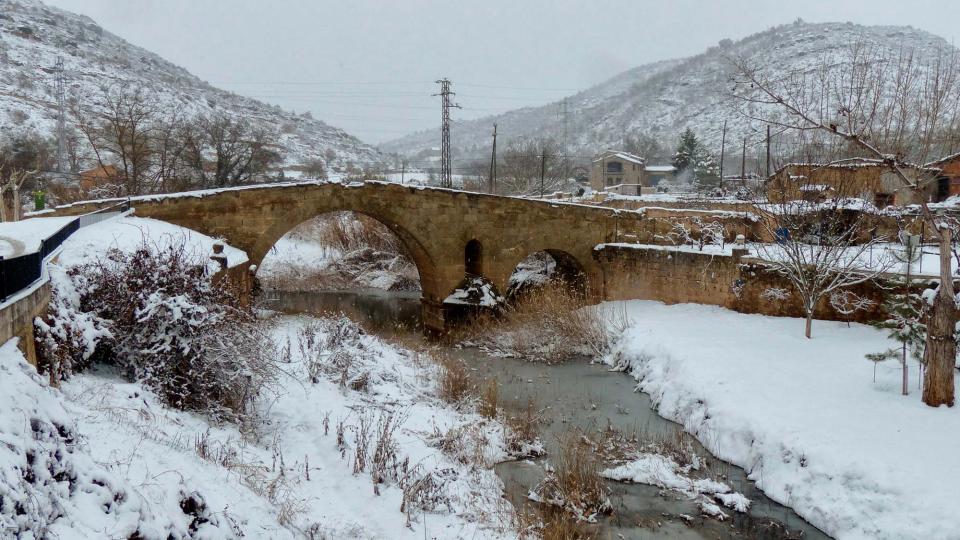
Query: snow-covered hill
{"points": [[33, 35], [663, 98]]}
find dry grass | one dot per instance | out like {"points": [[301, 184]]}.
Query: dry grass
{"points": [[489, 398], [454, 385], [546, 522], [575, 483], [550, 324], [522, 434]]}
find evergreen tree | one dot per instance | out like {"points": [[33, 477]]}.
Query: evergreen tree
{"points": [[904, 322], [687, 151], [695, 162]]}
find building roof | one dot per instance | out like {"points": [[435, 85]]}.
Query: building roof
{"points": [[625, 156], [943, 160], [660, 168], [849, 164]]}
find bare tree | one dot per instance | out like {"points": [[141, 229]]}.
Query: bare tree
{"points": [[117, 125], [222, 151], [15, 180], [526, 161], [820, 250], [898, 108]]}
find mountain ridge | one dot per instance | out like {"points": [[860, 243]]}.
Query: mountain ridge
{"points": [[33, 35], [663, 98]]}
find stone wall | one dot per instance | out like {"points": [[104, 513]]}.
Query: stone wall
{"points": [[734, 281], [16, 319]]}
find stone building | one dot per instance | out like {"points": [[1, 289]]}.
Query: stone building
{"points": [[948, 182], [867, 179], [627, 174]]}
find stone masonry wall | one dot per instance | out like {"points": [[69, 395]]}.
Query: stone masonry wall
{"points": [[733, 281]]}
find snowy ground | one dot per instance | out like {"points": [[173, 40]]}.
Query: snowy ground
{"points": [[18, 237], [128, 233], [803, 417], [104, 457]]}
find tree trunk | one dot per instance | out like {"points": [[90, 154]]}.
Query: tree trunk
{"points": [[941, 350], [809, 323], [940, 353]]}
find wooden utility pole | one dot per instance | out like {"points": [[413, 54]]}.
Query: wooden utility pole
{"points": [[768, 151], [403, 171], [492, 187], [543, 168], [723, 144]]}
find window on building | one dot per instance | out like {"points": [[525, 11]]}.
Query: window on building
{"points": [[614, 167]]}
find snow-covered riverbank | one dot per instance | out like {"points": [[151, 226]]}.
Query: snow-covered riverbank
{"points": [[803, 417], [292, 474]]}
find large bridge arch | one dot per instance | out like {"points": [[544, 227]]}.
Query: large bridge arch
{"points": [[422, 259]]}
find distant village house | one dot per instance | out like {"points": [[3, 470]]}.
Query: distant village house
{"points": [[867, 179], [627, 174]]}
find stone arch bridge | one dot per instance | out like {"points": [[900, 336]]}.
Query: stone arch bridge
{"points": [[449, 233]]}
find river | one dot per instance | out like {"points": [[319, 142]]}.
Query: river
{"points": [[572, 394]]}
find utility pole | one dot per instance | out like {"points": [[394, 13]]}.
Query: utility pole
{"points": [[768, 151], [723, 144], [403, 171], [543, 168], [743, 162], [492, 187], [60, 88], [566, 150], [445, 177]]}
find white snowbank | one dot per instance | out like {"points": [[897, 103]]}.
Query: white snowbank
{"points": [[803, 417], [128, 233]]}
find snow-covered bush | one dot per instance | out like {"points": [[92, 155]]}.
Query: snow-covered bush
{"points": [[155, 313], [67, 336]]}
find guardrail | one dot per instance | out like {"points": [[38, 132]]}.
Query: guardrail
{"points": [[19, 273]]}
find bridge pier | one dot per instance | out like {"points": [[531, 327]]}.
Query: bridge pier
{"points": [[433, 317]]}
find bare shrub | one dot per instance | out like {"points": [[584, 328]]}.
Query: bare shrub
{"points": [[330, 347], [378, 432], [424, 492], [575, 483]]}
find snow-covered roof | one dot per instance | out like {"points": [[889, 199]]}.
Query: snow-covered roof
{"points": [[626, 156], [660, 168], [942, 160], [814, 187]]}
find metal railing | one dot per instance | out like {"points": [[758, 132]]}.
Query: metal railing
{"points": [[19, 273]]}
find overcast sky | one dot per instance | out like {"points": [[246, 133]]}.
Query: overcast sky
{"points": [[368, 66]]}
